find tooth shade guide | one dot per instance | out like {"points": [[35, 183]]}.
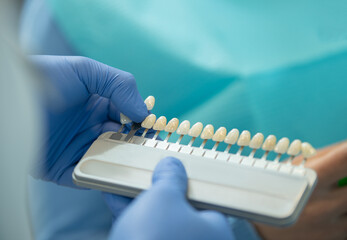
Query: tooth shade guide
{"points": [[149, 101], [244, 140], [256, 142], [218, 137]]}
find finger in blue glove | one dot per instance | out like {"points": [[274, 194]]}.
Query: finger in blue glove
{"points": [[163, 212]]}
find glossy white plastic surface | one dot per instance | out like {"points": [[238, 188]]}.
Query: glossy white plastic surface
{"points": [[265, 192]]}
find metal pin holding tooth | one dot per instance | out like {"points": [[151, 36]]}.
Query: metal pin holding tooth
{"points": [[293, 150], [148, 123], [281, 148], [231, 139], [218, 137], [269, 145], [244, 140], [182, 130], [171, 127], [206, 134], [256, 142], [194, 132], [159, 126], [307, 151], [150, 101]]}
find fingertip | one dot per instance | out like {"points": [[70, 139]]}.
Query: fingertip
{"points": [[214, 218], [170, 171]]}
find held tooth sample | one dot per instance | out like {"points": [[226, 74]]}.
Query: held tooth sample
{"points": [[171, 127], [148, 123], [244, 140], [150, 101], [182, 130], [231, 139], [219, 136], [256, 142], [194, 132], [269, 145], [159, 126], [124, 119], [307, 151], [293, 150], [206, 134], [281, 148]]}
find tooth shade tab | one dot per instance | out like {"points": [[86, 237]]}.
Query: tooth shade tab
{"points": [[269, 143], [150, 101], [172, 125], [124, 119], [149, 121], [282, 145], [294, 148], [307, 150], [208, 132], [220, 134], [183, 129], [232, 136], [160, 124], [244, 139], [196, 130], [257, 141]]}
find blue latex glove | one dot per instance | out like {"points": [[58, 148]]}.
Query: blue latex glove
{"points": [[84, 100], [163, 211]]}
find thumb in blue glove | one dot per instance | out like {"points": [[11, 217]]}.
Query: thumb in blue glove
{"points": [[88, 99], [163, 211]]}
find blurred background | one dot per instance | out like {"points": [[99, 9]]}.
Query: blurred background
{"points": [[276, 67]]}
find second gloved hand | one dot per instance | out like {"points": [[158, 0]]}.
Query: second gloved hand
{"points": [[83, 99], [163, 211]]}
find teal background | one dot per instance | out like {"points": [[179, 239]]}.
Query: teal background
{"points": [[266, 66]]}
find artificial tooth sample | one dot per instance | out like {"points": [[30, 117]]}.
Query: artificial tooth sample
{"points": [[125, 120], [159, 126], [148, 123], [182, 130], [171, 127], [231, 139], [281, 148], [256, 142], [194, 132], [293, 150], [206, 134], [150, 101], [307, 151], [244, 140], [269, 145], [219, 136]]}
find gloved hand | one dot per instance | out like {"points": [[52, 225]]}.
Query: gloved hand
{"points": [[163, 211], [83, 99]]}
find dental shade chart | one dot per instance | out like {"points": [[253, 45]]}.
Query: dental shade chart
{"points": [[234, 183]]}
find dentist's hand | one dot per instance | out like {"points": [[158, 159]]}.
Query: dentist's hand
{"points": [[87, 99], [163, 211]]}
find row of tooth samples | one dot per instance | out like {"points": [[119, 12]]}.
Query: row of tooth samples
{"points": [[233, 137]]}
